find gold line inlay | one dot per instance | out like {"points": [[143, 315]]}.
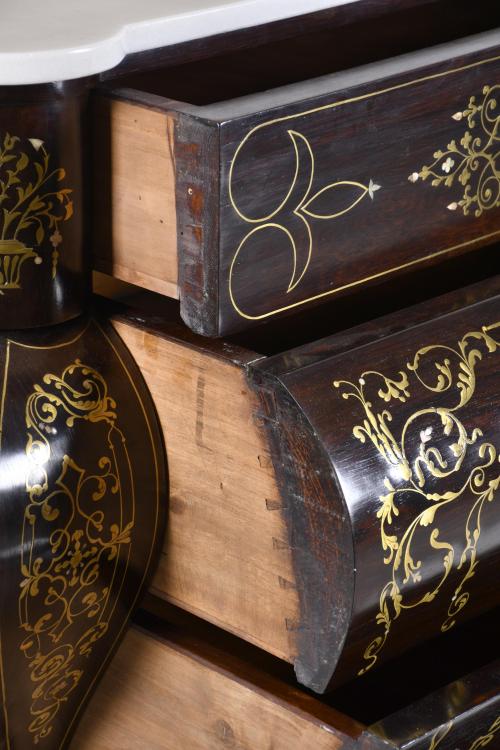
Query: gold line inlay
{"points": [[417, 468], [261, 222]]}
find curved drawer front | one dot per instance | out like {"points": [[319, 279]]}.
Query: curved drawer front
{"points": [[82, 505], [348, 487], [388, 456], [275, 202]]}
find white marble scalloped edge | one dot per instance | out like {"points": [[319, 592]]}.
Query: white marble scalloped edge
{"points": [[54, 40]]}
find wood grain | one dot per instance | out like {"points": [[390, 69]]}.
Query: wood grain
{"points": [[161, 694], [226, 556], [290, 197], [179, 683], [134, 208], [397, 440]]}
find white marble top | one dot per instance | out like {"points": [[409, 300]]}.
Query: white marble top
{"points": [[51, 40]]}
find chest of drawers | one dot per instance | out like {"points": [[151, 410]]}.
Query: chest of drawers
{"points": [[318, 195]]}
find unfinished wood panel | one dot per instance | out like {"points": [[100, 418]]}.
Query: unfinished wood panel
{"points": [[160, 696], [134, 214], [226, 556]]}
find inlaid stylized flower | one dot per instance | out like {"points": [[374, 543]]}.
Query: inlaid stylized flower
{"points": [[36, 143], [56, 238], [447, 165], [33, 202], [473, 160]]}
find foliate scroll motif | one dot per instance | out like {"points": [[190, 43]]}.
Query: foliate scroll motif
{"points": [[297, 203], [67, 597], [440, 735], [478, 743], [474, 162], [425, 461], [33, 205], [490, 735]]}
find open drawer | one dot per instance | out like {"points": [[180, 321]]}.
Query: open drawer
{"points": [[182, 684], [265, 193], [335, 503]]}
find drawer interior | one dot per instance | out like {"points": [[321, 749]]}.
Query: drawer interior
{"points": [[178, 682], [367, 700], [310, 55]]}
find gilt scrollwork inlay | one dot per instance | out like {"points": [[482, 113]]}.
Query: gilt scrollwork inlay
{"points": [[438, 737], [67, 600], [473, 162], [421, 470], [482, 741], [488, 737], [34, 203]]}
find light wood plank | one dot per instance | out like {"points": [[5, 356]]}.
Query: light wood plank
{"points": [[134, 213], [161, 696], [225, 556]]}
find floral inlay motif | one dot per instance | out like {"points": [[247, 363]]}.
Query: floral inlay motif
{"points": [[474, 161], [33, 205], [432, 446], [67, 598], [299, 202]]}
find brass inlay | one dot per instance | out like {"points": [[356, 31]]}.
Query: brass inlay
{"points": [[481, 741], [308, 206], [413, 461], [84, 538], [475, 161], [32, 206], [490, 735], [295, 276], [149, 433], [440, 735]]}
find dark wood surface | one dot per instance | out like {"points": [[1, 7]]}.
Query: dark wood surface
{"points": [[382, 28], [307, 474], [44, 270], [276, 257], [83, 507], [464, 715], [406, 21], [331, 185], [386, 448]]}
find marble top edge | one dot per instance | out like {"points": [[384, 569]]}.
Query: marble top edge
{"points": [[54, 41]]}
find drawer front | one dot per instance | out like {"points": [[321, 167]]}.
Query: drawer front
{"points": [[351, 186], [272, 203], [465, 715], [387, 458], [315, 499]]}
